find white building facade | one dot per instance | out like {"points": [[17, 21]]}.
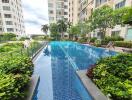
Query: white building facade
{"points": [[58, 10], [11, 17]]}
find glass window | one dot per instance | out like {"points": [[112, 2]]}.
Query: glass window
{"points": [[9, 23], [10, 29], [6, 8], [7, 15], [5, 1]]}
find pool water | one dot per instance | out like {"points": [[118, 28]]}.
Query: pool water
{"points": [[57, 65]]}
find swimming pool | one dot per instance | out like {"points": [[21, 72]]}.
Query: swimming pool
{"points": [[57, 65]]}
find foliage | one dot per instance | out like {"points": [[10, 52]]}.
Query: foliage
{"points": [[62, 26], [93, 39], [40, 38], [101, 19], [45, 28], [7, 37], [97, 43], [11, 47], [118, 15], [16, 64], [126, 44], [24, 38], [106, 40], [113, 76], [127, 18], [12, 86], [16, 69]]}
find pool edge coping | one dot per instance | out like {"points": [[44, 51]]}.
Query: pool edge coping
{"points": [[33, 85], [92, 89]]}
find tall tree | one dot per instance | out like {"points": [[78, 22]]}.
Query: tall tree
{"points": [[45, 28], [54, 30], [127, 18], [62, 27], [102, 19]]}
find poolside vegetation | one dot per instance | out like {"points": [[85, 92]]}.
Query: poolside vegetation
{"points": [[16, 68], [113, 75]]}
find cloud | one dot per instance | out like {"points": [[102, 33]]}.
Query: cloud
{"points": [[35, 15]]}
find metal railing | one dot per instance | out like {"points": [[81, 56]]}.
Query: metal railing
{"points": [[24, 51]]}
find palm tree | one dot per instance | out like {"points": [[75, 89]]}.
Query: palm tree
{"points": [[45, 28], [62, 27]]}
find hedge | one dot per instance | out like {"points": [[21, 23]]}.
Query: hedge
{"points": [[15, 71], [11, 47], [12, 86], [126, 44], [106, 40], [113, 75]]}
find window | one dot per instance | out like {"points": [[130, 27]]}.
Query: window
{"points": [[120, 4], [9, 23], [99, 2], [115, 33], [5, 1], [51, 12], [50, 5], [6, 8], [0, 29], [10, 29], [7, 15], [65, 13], [51, 18]]}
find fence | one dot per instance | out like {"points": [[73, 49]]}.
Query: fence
{"points": [[25, 51]]}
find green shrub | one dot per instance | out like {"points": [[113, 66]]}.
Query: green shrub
{"points": [[11, 47], [113, 76], [20, 64], [106, 40], [7, 37], [12, 86], [126, 44], [93, 39], [24, 38], [97, 43]]}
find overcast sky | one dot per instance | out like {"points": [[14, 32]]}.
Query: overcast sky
{"points": [[35, 15]]}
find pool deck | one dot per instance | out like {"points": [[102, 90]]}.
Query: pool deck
{"points": [[90, 86]]}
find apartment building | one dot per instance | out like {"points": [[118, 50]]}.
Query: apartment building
{"points": [[74, 11], [118, 30], [11, 17], [58, 10]]}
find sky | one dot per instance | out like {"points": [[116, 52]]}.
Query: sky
{"points": [[35, 14]]}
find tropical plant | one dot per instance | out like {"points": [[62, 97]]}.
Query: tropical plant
{"points": [[127, 18], [45, 28], [62, 27], [74, 31], [101, 19], [54, 31], [113, 76], [118, 15]]}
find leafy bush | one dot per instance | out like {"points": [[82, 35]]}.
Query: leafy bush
{"points": [[20, 64], [7, 37], [106, 40], [126, 44], [113, 76], [11, 47], [24, 38], [16, 69], [93, 39], [97, 43], [12, 86]]}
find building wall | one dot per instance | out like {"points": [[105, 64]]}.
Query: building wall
{"points": [[58, 10], [115, 4], [73, 11], [11, 17]]}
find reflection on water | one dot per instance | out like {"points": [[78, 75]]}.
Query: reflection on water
{"points": [[56, 67]]}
